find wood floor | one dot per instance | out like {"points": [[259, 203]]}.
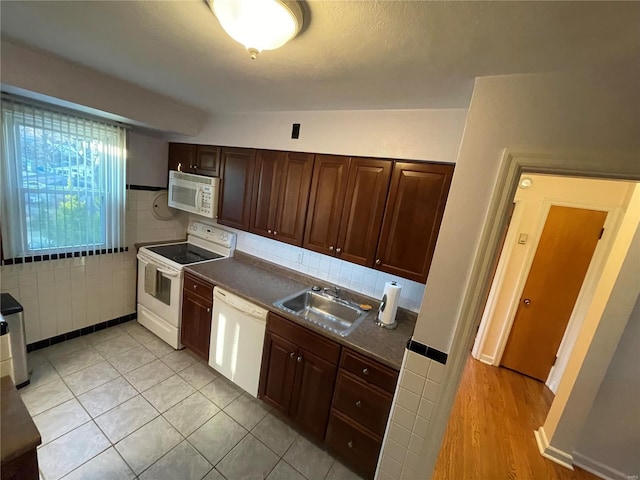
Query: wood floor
{"points": [[490, 431]]}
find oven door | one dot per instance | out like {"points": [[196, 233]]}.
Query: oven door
{"points": [[166, 302]]}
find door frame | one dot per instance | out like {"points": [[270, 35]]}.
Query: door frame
{"points": [[596, 265], [513, 164]]}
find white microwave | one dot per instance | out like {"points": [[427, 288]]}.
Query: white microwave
{"points": [[194, 193]]}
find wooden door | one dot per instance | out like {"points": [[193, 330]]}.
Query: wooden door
{"points": [[412, 217], [567, 243], [277, 373], [326, 201], [293, 197], [195, 333], [236, 184], [266, 187], [363, 209], [208, 160], [312, 393]]}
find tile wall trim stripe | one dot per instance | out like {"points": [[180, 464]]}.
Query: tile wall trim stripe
{"points": [[60, 256], [146, 188], [82, 331], [427, 351]]}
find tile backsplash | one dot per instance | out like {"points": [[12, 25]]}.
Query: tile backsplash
{"points": [[348, 275]]}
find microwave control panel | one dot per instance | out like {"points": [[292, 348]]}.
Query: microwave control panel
{"points": [[207, 199]]}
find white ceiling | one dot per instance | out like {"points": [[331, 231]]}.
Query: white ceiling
{"points": [[350, 55]]}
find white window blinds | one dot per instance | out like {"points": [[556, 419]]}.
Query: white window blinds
{"points": [[63, 182]]}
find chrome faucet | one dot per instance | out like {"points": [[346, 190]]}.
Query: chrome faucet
{"points": [[334, 291]]}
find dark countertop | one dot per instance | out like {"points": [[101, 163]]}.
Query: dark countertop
{"points": [[263, 283]]}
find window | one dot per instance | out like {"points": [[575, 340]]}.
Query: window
{"points": [[63, 182]]}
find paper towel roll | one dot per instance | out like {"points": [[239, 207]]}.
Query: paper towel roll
{"points": [[389, 305]]}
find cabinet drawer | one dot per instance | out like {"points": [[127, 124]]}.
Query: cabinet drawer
{"points": [[357, 446], [365, 404], [198, 286], [369, 370], [311, 341]]}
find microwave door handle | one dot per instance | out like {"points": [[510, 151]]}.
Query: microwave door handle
{"points": [[198, 198]]}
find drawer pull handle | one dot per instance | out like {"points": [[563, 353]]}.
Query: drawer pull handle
{"points": [[299, 359], [292, 354], [358, 403], [350, 444], [365, 371]]}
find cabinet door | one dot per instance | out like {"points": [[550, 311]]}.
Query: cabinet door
{"points": [[326, 201], [363, 209], [208, 160], [196, 324], [266, 185], [293, 197], [417, 197], [312, 393], [182, 157], [236, 184], [277, 373]]}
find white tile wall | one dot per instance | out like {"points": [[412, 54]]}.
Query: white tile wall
{"points": [[348, 275], [60, 296], [416, 393]]}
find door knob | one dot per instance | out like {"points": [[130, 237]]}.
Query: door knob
{"points": [[527, 302]]}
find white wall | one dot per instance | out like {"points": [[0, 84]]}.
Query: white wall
{"points": [[147, 157], [76, 85], [611, 434], [403, 134], [566, 114]]}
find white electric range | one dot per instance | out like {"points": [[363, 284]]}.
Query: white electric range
{"points": [[160, 275]]}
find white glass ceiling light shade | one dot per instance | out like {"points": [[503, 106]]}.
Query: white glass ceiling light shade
{"points": [[259, 24]]}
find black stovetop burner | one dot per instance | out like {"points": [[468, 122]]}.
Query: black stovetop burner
{"points": [[184, 253]]}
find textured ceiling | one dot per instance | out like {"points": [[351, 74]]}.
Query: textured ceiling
{"points": [[350, 55]]}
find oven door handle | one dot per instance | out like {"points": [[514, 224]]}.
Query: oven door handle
{"points": [[168, 273]]}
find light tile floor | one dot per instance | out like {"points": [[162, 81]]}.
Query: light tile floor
{"points": [[122, 404]]}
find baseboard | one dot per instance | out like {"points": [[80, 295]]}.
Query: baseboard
{"points": [[599, 469], [486, 359], [553, 454]]}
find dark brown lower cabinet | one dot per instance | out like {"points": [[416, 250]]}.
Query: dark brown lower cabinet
{"points": [[195, 333], [298, 373], [356, 445]]}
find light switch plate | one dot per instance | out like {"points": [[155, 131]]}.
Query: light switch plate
{"points": [[522, 239]]}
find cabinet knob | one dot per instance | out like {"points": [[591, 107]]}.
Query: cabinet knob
{"points": [[275, 233], [299, 359], [269, 231], [378, 261], [365, 371], [208, 310], [292, 354], [358, 403], [195, 286], [338, 250], [350, 444], [331, 247]]}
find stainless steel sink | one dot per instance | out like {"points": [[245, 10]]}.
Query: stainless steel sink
{"points": [[335, 314]]}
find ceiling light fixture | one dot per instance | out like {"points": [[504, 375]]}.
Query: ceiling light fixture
{"points": [[259, 24]]}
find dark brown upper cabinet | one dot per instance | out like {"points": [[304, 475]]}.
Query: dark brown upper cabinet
{"points": [[281, 194], [346, 207], [236, 171], [198, 159], [417, 197]]}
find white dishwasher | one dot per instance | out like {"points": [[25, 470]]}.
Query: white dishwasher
{"points": [[237, 338]]}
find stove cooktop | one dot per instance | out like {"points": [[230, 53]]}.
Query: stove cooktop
{"points": [[185, 253]]}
